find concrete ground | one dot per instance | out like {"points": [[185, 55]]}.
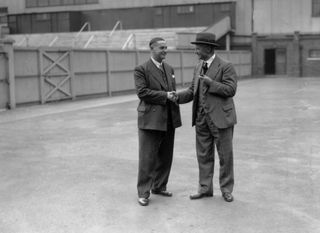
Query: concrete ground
{"points": [[71, 167]]}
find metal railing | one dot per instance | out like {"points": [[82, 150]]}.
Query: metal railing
{"points": [[130, 39], [53, 41], [24, 39], [118, 24], [89, 41], [86, 24]]}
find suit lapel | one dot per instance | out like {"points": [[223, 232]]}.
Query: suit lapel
{"points": [[196, 78], [156, 74], [213, 70]]}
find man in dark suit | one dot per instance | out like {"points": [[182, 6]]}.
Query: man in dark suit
{"points": [[213, 86], [158, 116]]}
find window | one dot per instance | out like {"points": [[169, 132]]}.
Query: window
{"points": [[43, 3], [12, 19], [67, 2], [54, 2], [3, 10], [31, 3], [42, 17], [225, 7], [3, 20], [46, 3], [158, 11], [79, 2], [315, 8], [185, 9], [314, 53]]}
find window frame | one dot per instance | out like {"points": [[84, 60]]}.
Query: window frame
{"points": [[185, 9], [37, 3], [315, 8]]}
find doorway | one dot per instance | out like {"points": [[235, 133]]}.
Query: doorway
{"points": [[270, 61], [275, 61]]}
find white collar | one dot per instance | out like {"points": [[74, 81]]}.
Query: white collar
{"points": [[210, 60], [158, 64]]}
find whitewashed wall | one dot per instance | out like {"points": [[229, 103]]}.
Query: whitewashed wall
{"points": [[284, 16]]}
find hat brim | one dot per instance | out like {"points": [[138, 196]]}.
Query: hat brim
{"points": [[206, 43]]}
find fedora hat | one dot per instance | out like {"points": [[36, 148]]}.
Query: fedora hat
{"points": [[205, 38]]}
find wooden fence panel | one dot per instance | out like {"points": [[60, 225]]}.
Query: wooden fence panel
{"points": [[46, 74]]}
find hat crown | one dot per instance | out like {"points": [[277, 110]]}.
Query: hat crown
{"points": [[205, 38]]}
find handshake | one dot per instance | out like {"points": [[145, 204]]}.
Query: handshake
{"points": [[172, 96]]}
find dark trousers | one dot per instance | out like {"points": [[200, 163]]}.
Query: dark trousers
{"points": [[155, 159], [207, 136]]}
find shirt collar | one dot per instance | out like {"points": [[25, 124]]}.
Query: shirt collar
{"points": [[210, 60], [158, 64]]}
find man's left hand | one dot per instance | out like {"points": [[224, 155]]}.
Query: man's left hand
{"points": [[206, 80]]}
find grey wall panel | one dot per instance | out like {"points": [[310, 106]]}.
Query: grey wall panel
{"points": [[27, 89], [90, 84], [87, 61], [26, 62], [122, 81]]}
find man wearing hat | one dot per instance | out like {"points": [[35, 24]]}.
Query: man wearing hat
{"points": [[158, 116], [213, 114]]}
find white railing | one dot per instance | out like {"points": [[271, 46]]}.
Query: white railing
{"points": [[130, 39], [24, 39], [86, 24], [53, 41], [118, 23], [89, 41]]}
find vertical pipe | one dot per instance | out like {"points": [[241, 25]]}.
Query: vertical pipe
{"points": [[8, 48], [108, 73], [71, 73], [228, 42], [41, 76]]}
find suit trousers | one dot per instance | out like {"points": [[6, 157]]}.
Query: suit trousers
{"points": [[207, 137], [155, 160]]}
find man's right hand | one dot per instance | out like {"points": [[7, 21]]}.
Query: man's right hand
{"points": [[172, 96]]}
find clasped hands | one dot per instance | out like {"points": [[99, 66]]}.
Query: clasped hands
{"points": [[172, 96]]}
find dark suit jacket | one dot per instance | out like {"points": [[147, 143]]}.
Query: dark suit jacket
{"points": [[218, 97], [152, 92]]}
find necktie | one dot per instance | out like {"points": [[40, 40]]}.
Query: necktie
{"points": [[161, 68], [163, 74], [204, 68]]}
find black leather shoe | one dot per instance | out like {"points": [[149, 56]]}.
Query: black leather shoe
{"points": [[162, 192], [200, 195], [143, 201], [227, 197]]}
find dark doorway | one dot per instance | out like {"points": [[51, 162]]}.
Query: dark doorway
{"points": [[269, 61]]}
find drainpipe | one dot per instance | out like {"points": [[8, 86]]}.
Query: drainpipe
{"points": [[8, 48], [228, 42]]}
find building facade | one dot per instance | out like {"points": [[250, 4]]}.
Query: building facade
{"points": [[286, 37], [34, 16], [283, 35]]}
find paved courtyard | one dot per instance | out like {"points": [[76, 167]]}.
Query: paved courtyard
{"points": [[71, 167]]}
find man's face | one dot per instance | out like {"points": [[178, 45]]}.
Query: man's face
{"points": [[159, 50], [203, 51]]}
